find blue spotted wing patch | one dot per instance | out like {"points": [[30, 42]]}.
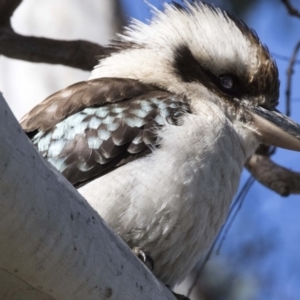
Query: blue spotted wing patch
{"points": [[95, 140]]}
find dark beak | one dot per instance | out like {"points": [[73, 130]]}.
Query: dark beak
{"points": [[275, 128]]}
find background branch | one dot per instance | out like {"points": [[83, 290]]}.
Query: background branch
{"points": [[78, 54], [273, 176], [291, 10], [7, 8]]}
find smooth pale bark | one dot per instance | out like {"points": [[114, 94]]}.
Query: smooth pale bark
{"points": [[53, 245]]}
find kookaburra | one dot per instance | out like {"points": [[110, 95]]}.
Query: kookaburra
{"points": [[157, 138]]}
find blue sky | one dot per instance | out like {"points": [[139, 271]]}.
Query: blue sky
{"points": [[266, 220]]}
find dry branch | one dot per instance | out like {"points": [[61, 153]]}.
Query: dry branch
{"points": [[78, 54], [7, 8], [273, 176], [291, 10]]}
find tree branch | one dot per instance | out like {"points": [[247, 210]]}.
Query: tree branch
{"points": [[291, 10], [273, 176], [7, 8], [78, 54], [53, 245]]}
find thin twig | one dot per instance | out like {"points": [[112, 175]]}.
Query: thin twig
{"points": [[289, 73], [284, 57], [291, 10]]}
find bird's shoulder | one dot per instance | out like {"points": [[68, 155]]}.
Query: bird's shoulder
{"points": [[92, 127]]}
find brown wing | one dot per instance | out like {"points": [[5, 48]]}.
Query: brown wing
{"points": [[78, 96], [91, 128]]}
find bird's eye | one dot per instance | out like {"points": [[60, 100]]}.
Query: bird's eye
{"points": [[227, 82]]}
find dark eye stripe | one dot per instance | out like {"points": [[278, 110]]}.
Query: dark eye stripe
{"points": [[191, 70]]}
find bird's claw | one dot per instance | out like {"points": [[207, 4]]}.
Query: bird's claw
{"points": [[144, 257]]}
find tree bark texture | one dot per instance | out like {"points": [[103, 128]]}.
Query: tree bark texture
{"points": [[53, 245]]}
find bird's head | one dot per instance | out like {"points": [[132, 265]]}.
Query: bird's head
{"points": [[206, 54]]}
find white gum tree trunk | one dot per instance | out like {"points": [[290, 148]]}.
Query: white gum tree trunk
{"points": [[53, 244]]}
